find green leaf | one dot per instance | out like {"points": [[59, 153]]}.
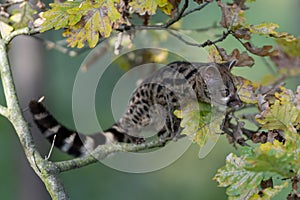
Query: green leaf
{"points": [[200, 121], [241, 183], [243, 175], [276, 117], [62, 15], [268, 193], [150, 6], [272, 158]]}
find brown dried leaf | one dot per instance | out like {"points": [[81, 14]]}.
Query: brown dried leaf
{"points": [[283, 60], [242, 33], [237, 133], [270, 136], [243, 59], [262, 102], [260, 51]]}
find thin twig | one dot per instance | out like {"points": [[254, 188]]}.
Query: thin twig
{"points": [[178, 17], [51, 148], [195, 9], [204, 44]]}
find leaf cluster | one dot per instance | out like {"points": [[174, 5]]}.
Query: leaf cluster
{"points": [[277, 118], [87, 21], [234, 20]]}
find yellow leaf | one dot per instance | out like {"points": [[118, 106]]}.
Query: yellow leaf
{"points": [[246, 90], [214, 55], [269, 30], [5, 29], [150, 6], [166, 7], [276, 117], [16, 18]]}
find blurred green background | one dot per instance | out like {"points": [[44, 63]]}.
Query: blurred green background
{"points": [[188, 178]]}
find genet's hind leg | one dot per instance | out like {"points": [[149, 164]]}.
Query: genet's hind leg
{"points": [[171, 130]]}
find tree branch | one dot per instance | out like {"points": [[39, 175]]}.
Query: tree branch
{"points": [[23, 31], [44, 169], [102, 152]]}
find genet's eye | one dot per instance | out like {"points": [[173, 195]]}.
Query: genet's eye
{"points": [[224, 92]]}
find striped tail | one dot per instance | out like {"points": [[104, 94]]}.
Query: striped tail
{"points": [[70, 141]]}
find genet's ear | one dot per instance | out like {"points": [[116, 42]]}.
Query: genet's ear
{"points": [[212, 75], [210, 72], [231, 64]]}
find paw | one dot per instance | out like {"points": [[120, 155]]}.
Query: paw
{"points": [[139, 140], [135, 140]]}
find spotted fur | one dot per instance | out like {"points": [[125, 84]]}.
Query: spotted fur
{"points": [[151, 106]]}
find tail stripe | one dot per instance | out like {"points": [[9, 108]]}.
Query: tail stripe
{"points": [[40, 116], [109, 137], [55, 129], [89, 145], [77, 146], [66, 140], [48, 133], [70, 141]]}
